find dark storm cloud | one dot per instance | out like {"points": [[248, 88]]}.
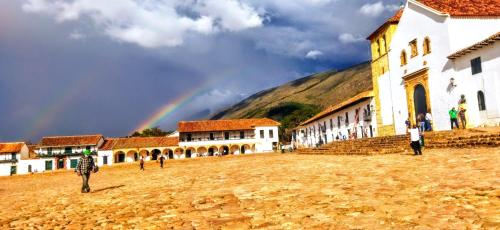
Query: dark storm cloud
{"points": [[71, 77]]}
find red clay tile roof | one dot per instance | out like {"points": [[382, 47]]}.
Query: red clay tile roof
{"points": [[13, 147], [340, 106], [108, 144], [32, 154], [224, 125], [466, 8], [488, 41], [145, 142], [392, 20], [60, 141]]}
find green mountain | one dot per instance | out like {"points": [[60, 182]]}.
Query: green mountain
{"points": [[296, 101]]}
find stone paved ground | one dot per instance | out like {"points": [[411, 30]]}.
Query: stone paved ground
{"points": [[446, 189]]}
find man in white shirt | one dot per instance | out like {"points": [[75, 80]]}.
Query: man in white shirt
{"points": [[415, 140], [428, 121]]}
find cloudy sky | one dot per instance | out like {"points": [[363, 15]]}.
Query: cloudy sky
{"points": [[92, 66]]}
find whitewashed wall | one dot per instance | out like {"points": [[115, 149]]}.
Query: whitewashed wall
{"points": [[487, 81], [310, 134]]}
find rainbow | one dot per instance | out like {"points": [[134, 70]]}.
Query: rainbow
{"points": [[169, 108], [46, 116]]}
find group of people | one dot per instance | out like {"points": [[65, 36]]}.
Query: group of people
{"points": [[424, 122], [454, 114]]}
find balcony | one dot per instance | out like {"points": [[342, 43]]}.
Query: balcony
{"points": [[64, 153], [9, 161], [216, 139]]}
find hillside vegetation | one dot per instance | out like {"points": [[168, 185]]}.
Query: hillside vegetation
{"points": [[299, 100]]}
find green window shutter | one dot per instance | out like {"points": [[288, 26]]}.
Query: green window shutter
{"points": [[48, 165], [73, 163]]}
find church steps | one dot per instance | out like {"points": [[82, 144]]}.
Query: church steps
{"points": [[398, 144]]}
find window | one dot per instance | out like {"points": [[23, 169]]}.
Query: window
{"points": [[378, 47], [189, 137], [476, 65], [427, 46], [271, 133], [13, 156], [105, 160], [338, 121], [48, 165], [212, 136], [480, 101], [331, 123], [87, 148], [49, 151], [385, 43], [226, 135], [73, 163], [347, 118], [67, 150], [262, 134], [403, 58], [242, 135], [414, 49]]}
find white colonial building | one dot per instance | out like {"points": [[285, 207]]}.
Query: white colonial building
{"points": [[241, 136], [440, 51], [350, 119], [17, 158], [63, 152]]}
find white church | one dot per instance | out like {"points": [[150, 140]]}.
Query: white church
{"points": [[441, 50]]}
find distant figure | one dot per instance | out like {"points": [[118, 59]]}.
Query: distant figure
{"points": [[84, 167], [453, 117], [161, 161], [408, 123], [415, 140], [461, 113], [421, 122], [428, 121], [141, 162]]}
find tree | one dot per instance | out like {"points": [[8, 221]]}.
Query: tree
{"points": [[151, 132]]}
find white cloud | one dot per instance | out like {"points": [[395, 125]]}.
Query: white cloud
{"points": [[349, 38], [151, 23], [75, 35], [376, 9], [314, 54]]}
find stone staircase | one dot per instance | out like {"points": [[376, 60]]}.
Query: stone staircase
{"points": [[471, 138]]}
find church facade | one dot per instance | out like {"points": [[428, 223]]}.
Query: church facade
{"points": [[438, 52]]}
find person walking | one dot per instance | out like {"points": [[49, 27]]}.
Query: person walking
{"points": [[161, 161], [415, 140], [428, 121], [141, 162], [84, 167], [453, 117]]}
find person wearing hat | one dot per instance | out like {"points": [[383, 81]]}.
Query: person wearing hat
{"points": [[84, 168]]}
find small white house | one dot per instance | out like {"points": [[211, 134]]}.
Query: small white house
{"points": [[223, 137], [351, 119], [105, 152], [10, 155]]}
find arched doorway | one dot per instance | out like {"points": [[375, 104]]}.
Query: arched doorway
{"points": [[235, 150], [189, 152], [224, 150], [212, 150], [120, 157], [420, 100], [202, 151], [170, 154], [154, 154]]}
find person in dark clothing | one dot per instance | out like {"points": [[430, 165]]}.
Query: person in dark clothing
{"points": [[453, 117], [84, 167], [141, 162], [161, 161]]}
